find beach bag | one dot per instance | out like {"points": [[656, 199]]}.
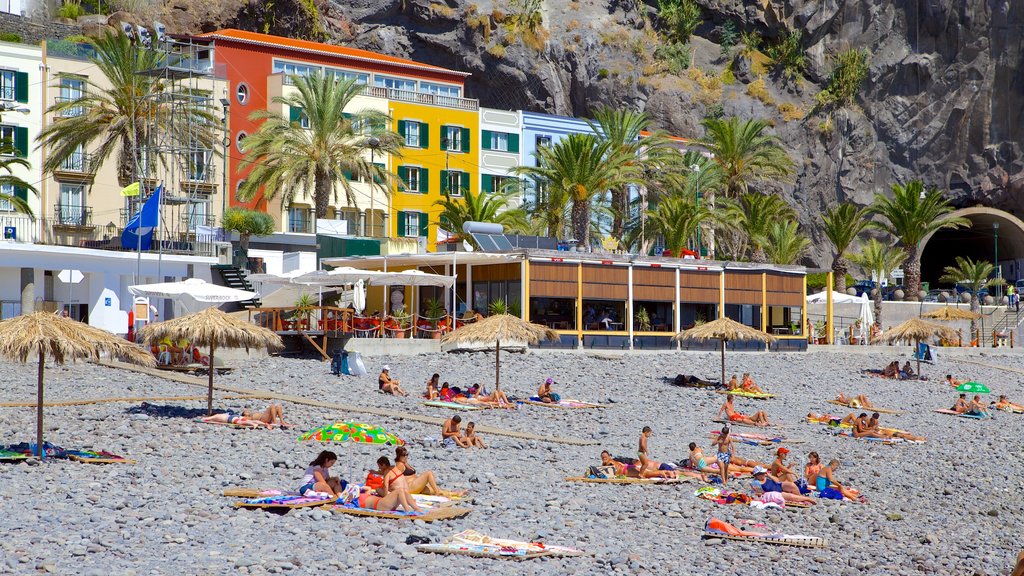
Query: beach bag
{"points": [[831, 494], [374, 480], [604, 472], [555, 398]]}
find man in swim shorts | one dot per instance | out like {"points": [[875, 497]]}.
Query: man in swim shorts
{"points": [[758, 419]]}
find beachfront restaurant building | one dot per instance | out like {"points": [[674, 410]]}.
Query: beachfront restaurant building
{"points": [[595, 300]]}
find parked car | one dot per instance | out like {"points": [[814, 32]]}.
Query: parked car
{"points": [[864, 287], [933, 295], [960, 289]]}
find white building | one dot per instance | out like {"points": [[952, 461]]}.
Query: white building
{"points": [[21, 118], [499, 151]]}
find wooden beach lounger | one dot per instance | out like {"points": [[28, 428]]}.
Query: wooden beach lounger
{"points": [[744, 424], [712, 530], [473, 543], [285, 502], [478, 551], [432, 515], [865, 408], [564, 403], [100, 460], [949, 412], [742, 394], [453, 405], [626, 480]]}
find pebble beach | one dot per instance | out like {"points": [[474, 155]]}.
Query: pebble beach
{"points": [[953, 505]]}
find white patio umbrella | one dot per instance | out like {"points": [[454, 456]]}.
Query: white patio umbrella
{"points": [[359, 297], [192, 291], [283, 278], [411, 278], [336, 277]]}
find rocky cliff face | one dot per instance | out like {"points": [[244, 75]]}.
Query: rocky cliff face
{"points": [[944, 99]]}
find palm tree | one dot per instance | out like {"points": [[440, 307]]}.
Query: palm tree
{"points": [[675, 219], [7, 164], [911, 215], [754, 214], [651, 154], [974, 275], [549, 211], [745, 154], [784, 243], [288, 159], [843, 223], [121, 119], [247, 223], [484, 207], [580, 167], [878, 260]]}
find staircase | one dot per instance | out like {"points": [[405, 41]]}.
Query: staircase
{"points": [[1009, 322], [234, 277]]}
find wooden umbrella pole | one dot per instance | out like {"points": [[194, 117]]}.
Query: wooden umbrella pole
{"points": [[39, 404], [209, 394], [917, 354], [723, 361], [497, 364]]}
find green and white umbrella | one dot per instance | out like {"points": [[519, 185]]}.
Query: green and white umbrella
{"points": [[973, 388]]}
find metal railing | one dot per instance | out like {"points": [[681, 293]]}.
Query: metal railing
{"points": [[422, 98], [69, 112], [201, 174], [7, 92], [78, 162], [72, 215]]}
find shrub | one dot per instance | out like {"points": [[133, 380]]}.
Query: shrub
{"points": [[602, 73], [675, 56], [10, 37], [616, 37], [825, 127], [728, 78], [816, 281], [790, 111], [788, 55], [759, 89], [751, 42], [71, 10], [442, 10], [498, 51], [680, 18], [849, 72], [727, 36], [710, 85], [497, 15], [715, 111]]}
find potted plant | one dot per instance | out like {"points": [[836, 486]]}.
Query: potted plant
{"points": [[304, 306], [515, 308], [401, 322], [643, 320], [498, 307], [435, 313]]}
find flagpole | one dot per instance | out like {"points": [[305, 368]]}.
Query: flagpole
{"points": [[156, 233]]}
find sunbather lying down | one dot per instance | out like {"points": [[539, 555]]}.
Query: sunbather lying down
{"points": [[825, 418], [236, 419], [859, 401], [1004, 404], [654, 469], [274, 414]]}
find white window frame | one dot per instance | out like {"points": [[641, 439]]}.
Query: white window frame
{"points": [[412, 134], [457, 189], [8, 84], [394, 83], [6, 205], [412, 176], [341, 75], [72, 88], [65, 194], [304, 218], [7, 133], [243, 93], [441, 89], [289, 68], [75, 162], [451, 131], [412, 231], [198, 213], [499, 141]]}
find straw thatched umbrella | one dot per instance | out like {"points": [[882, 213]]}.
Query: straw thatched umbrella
{"points": [[949, 313], [211, 327], [916, 330], [724, 329], [495, 329], [42, 334]]}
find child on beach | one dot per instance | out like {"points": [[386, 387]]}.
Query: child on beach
{"points": [[471, 436], [642, 454], [451, 435], [318, 478], [724, 448], [734, 384], [432, 391]]}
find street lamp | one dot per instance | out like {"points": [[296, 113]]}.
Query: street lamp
{"points": [[226, 104], [995, 230], [373, 143], [695, 168], [11, 107]]}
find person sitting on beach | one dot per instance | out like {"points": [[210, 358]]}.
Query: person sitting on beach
{"points": [[764, 482], [892, 370], [953, 382], [451, 435], [398, 497], [859, 401], [758, 419], [274, 414], [812, 468], [387, 384], [658, 469], [831, 419], [318, 478], [473, 391], [860, 427], [878, 432], [417, 483], [733, 384], [961, 405], [976, 407], [547, 394], [702, 463], [394, 478], [1004, 404], [723, 445], [432, 387], [236, 419], [907, 372], [749, 386], [446, 393], [472, 438], [779, 470], [825, 480]]}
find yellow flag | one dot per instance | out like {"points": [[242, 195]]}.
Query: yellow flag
{"points": [[130, 190]]}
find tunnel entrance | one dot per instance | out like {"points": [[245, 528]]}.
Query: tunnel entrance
{"points": [[990, 231]]}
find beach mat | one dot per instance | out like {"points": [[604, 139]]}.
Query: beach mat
{"points": [[744, 424], [691, 381], [758, 439], [11, 456], [452, 405], [478, 551], [761, 538], [564, 403], [476, 544], [751, 395], [626, 480], [865, 408], [432, 515], [88, 459], [949, 412], [285, 502]]}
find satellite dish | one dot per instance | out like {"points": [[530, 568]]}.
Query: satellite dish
{"points": [[467, 246], [161, 31], [128, 29], [144, 36]]}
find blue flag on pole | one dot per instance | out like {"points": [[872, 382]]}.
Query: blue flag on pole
{"points": [[139, 231]]}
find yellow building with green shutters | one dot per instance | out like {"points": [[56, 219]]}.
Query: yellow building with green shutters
{"points": [[440, 159]]}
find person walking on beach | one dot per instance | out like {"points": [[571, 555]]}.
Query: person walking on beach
{"points": [[642, 454], [451, 435], [724, 448]]}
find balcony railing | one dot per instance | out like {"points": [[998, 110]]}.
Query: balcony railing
{"points": [[69, 112], [7, 93], [72, 215], [196, 220], [78, 163], [201, 174], [422, 98]]}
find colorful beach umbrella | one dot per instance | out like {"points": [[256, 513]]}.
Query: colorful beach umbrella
{"points": [[352, 432], [973, 387]]}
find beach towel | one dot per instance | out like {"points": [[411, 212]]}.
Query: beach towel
{"points": [[743, 424], [691, 381], [745, 394], [715, 528], [287, 501], [11, 456], [949, 412], [54, 451], [473, 543], [452, 405], [628, 480], [562, 403], [865, 408]]}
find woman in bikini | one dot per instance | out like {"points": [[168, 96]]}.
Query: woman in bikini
{"points": [[397, 498], [812, 468], [403, 473], [702, 463], [432, 388], [860, 401], [274, 414], [236, 419], [779, 469], [758, 419], [656, 469], [825, 418], [749, 386]]}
